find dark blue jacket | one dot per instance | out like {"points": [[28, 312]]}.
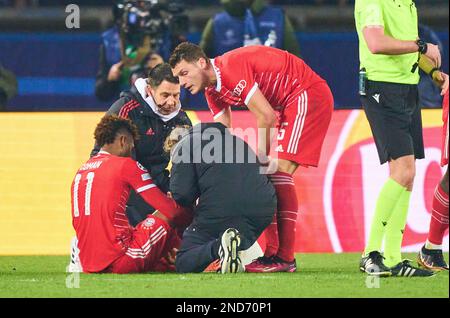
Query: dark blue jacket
{"points": [[229, 31]]}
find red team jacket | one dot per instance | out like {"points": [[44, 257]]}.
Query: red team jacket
{"points": [[100, 191]]}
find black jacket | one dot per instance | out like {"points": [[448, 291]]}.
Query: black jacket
{"points": [[153, 131], [225, 185]]}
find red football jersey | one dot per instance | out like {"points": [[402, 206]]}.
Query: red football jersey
{"points": [[100, 191], [280, 76]]}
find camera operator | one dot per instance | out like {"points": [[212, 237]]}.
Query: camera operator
{"points": [[143, 35]]}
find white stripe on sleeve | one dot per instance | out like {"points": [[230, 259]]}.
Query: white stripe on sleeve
{"points": [[251, 93], [146, 187]]}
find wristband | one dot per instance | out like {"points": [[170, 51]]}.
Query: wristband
{"points": [[433, 70]]}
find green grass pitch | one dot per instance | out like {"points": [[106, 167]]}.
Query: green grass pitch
{"points": [[318, 275]]}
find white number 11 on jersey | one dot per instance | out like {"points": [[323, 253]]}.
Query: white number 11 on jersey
{"points": [[87, 196]]}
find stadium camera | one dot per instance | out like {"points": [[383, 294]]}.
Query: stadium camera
{"points": [[140, 18], [178, 20], [143, 18]]}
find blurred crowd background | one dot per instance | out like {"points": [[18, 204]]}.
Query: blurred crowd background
{"points": [[44, 3], [44, 66]]}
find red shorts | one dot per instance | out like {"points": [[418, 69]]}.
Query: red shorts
{"points": [[444, 158], [151, 241], [303, 125]]}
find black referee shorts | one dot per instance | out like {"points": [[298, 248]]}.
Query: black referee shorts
{"points": [[395, 118]]}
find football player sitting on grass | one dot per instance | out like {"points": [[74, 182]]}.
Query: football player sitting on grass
{"points": [[107, 243]]}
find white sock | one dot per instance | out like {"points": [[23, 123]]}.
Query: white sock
{"points": [[431, 246]]}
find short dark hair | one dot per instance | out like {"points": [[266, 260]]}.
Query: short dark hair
{"points": [[158, 74], [110, 125], [188, 52]]}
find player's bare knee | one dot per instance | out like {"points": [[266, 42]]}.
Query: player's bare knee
{"points": [[287, 166], [408, 178], [403, 171], [404, 177]]}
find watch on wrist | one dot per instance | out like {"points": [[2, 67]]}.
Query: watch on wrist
{"points": [[423, 46]]}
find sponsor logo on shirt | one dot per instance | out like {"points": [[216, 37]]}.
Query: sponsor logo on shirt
{"points": [[279, 148], [377, 97], [240, 88]]}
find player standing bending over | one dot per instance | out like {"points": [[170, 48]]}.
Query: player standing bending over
{"points": [[106, 241], [282, 92]]}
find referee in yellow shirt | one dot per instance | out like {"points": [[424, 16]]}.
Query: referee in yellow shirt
{"points": [[390, 53]]}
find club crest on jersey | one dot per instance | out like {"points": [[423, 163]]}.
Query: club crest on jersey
{"points": [[141, 167], [240, 88], [149, 223]]}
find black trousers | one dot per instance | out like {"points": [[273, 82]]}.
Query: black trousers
{"points": [[201, 240]]}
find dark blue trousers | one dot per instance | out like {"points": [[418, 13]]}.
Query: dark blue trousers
{"points": [[201, 240]]}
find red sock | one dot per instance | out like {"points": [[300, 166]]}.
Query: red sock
{"points": [[271, 235], [439, 217], [287, 214]]}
